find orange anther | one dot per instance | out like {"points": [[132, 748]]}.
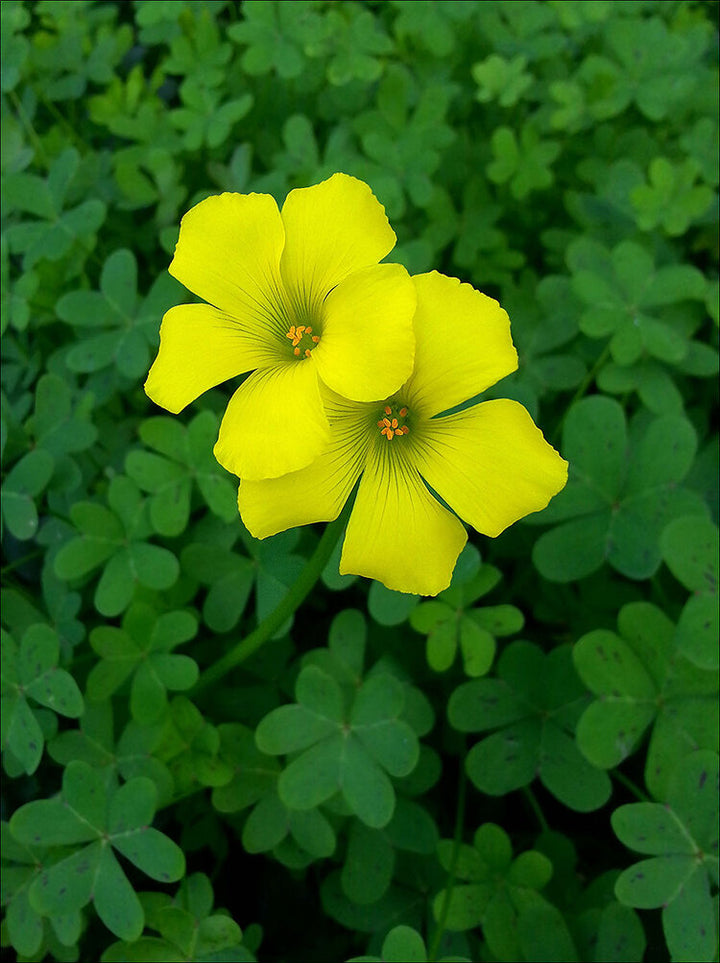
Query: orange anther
{"points": [[308, 330], [402, 412], [381, 424], [405, 430], [386, 422], [315, 338], [296, 352], [388, 410], [394, 422], [399, 431], [291, 332], [300, 328], [307, 352]]}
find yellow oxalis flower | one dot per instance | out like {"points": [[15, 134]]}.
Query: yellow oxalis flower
{"points": [[489, 462], [299, 299]]}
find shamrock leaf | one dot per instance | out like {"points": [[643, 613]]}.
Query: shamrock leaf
{"points": [[94, 812], [130, 322], [142, 649], [641, 679], [25, 482], [114, 538], [690, 549], [661, 68], [53, 230], [501, 79], [525, 165], [184, 456], [451, 623], [533, 705], [27, 930], [671, 198], [681, 838], [275, 36], [190, 747], [129, 756], [403, 944], [187, 928], [621, 492], [30, 672], [229, 577], [336, 747], [502, 895], [625, 293]]}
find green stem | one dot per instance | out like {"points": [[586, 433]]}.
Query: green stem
{"points": [[535, 806], [629, 785], [457, 843], [294, 598], [583, 386]]}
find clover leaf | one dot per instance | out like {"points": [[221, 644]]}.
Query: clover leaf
{"points": [[690, 549], [641, 679], [187, 927], [533, 706], [129, 322], [30, 671], [403, 944], [229, 577], [92, 811], [335, 747], [142, 650], [114, 537], [184, 456], [27, 930], [622, 492], [524, 163], [275, 36], [499, 893], [190, 747], [503, 80], [625, 294], [671, 199], [451, 623], [681, 837], [129, 756], [54, 229]]}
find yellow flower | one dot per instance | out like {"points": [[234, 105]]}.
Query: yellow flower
{"points": [[299, 299], [489, 462]]}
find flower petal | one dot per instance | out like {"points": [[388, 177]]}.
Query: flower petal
{"points": [[200, 347], [274, 423], [228, 253], [398, 533], [463, 344], [367, 344], [332, 229], [491, 464]]}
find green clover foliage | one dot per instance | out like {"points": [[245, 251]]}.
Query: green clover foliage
{"points": [[187, 928], [623, 489], [641, 678], [681, 839], [95, 812], [114, 537], [533, 705], [30, 671], [690, 549]]}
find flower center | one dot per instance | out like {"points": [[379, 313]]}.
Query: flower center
{"points": [[303, 340], [392, 424]]}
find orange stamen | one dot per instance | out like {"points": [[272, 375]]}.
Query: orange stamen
{"points": [[402, 412], [296, 352], [388, 410]]}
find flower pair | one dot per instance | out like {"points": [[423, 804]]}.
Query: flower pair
{"points": [[353, 365]]}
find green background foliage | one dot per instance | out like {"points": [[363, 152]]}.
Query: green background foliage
{"points": [[524, 768]]}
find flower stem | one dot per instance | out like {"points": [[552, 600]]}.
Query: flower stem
{"points": [[296, 595], [434, 947]]}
